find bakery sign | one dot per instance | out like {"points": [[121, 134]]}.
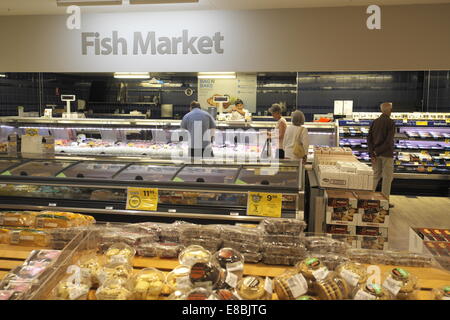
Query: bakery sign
{"points": [[150, 43]]}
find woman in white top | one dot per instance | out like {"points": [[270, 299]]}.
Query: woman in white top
{"points": [[296, 131], [280, 128]]}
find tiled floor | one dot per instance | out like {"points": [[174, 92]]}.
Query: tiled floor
{"points": [[427, 212]]}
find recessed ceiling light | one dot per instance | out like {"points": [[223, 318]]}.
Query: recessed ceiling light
{"points": [[2, 75], [131, 75]]}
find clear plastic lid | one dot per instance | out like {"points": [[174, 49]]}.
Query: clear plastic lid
{"points": [[120, 253], [113, 289], [193, 254], [178, 278], [115, 271], [148, 284], [205, 275], [229, 259], [252, 288]]}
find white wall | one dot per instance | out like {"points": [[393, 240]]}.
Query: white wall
{"points": [[331, 39]]}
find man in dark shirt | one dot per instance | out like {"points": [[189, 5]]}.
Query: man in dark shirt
{"points": [[200, 125], [381, 148]]}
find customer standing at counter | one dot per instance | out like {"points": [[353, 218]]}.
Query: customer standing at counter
{"points": [[296, 133], [239, 112], [281, 126], [200, 125], [381, 148]]}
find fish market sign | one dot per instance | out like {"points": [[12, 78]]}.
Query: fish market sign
{"points": [[149, 43]]}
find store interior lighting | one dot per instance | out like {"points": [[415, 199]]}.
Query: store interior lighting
{"points": [[2, 75], [217, 75], [131, 75]]}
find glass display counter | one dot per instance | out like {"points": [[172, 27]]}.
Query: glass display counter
{"points": [[185, 191]]}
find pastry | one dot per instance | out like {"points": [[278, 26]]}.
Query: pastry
{"points": [[120, 253], [18, 218], [168, 250], [353, 273], [252, 288], [194, 254], [198, 294], [401, 284], [276, 259], [283, 226], [290, 285], [442, 293], [224, 294], [148, 284], [298, 250], [91, 267], [371, 292], [178, 279], [205, 275], [115, 271], [230, 260], [147, 250], [313, 270], [68, 290], [113, 290]]}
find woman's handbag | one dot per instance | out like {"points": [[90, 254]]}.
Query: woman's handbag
{"points": [[299, 150]]}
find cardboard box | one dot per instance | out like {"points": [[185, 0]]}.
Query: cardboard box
{"points": [[423, 240], [341, 229], [371, 199], [341, 207], [372, 231], [373, 217]]}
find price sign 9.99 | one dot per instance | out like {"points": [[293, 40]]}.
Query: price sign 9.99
{"points": [[264, 204]]}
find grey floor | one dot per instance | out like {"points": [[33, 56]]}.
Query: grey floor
{"points": [[426, 212]]}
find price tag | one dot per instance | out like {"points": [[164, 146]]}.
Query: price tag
{"points": [[268, 285], [52, 204], [447, 120], [423, 152], [298, 285], [430, 169], [351, 277], [392, 285], [421, 123], [231, 279], [405, 120], [142, 199], [398, 162], [320, 273], [264, 204], [447, 140]]}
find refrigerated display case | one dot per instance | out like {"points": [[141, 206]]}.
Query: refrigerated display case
{"points": [[422, 148], [206, 192], [155, 139]]}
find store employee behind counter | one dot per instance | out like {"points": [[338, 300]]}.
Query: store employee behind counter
{"points": [[239, 112], [200, 125]]}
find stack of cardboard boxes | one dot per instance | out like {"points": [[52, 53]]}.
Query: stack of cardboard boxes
{"points": [[431, 241], [361, 218], [339, 168]]}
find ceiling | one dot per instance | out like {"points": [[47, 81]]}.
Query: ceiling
{"points": [[41, 7]]}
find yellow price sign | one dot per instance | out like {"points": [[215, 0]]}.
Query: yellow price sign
{"points": [[447, 140], [421, 123], [31, 132], [447, 120], [142, 199], [430, 169], [264, 204]]}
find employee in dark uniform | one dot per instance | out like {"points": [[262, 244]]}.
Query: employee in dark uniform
{"points": [[381, 148]]}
